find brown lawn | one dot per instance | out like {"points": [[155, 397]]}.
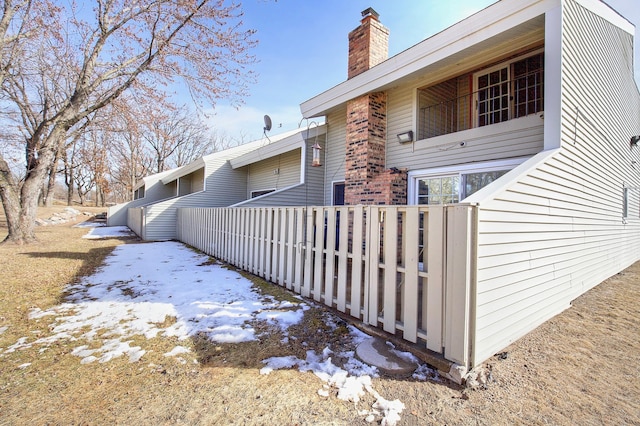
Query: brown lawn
{"points": [[582, 367]]}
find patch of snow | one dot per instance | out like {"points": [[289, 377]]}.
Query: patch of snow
{"points": [[424, 373], [177, 351], [96, 233], [142, 286], [23, 366], [352, 384], [89, 224]]}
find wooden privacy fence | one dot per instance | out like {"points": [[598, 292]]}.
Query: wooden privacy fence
{"points": [[405, 269]]}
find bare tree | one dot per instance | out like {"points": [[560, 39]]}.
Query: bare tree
{"points": [[175, 136], [88, 63]]}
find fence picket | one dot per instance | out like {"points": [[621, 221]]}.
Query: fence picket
{"points": [[318, 251], [356, 262], [330, 257], [343, 257], [411, 223], [390, 270]]}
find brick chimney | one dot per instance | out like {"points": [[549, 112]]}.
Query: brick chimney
{"points": [[368, 44], [366, 179]]}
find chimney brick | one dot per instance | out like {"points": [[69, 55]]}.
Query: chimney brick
{"points": [[368, 44]]}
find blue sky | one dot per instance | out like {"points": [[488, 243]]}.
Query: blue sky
{"points": [[302, 50]]}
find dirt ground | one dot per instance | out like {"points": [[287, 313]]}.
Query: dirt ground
{"points": [[581, 367]]}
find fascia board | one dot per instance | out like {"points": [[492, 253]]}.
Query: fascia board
{"points": [[268, 151], [184, 170], [282, 146], [148, 180], [605, 11]]}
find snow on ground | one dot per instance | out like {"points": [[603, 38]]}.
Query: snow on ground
{"points": [[141, 286], [352, 382], [98, 231], [91, 224]]}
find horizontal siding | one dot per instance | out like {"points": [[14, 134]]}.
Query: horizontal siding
{"points": [[276, 172], [224, 186], [515, 138], [295, 196], [558, 231], [197, 181], [154, 191], [335, 151], [309, 193]]}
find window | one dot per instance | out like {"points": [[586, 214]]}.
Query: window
{"points": [[338, 193], [255, 194], [449, 185], [439, 190], [510, 90], [625, 202], [138, 193], [493, 95]]}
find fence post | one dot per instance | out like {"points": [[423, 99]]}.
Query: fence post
{"points": [[460, 262]]}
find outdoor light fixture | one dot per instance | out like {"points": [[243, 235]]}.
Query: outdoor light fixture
{"points": [[405, 137], [634, 141], [316, 155]]}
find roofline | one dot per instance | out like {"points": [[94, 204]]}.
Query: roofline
{"points": [[489, 22], [153, 178], [184, 170], [281, 146]]}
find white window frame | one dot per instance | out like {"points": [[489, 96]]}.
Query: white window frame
{"points": [[475, 90], [463, 169]]}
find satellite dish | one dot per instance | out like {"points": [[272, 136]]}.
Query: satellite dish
{"points": [[267, 123]]}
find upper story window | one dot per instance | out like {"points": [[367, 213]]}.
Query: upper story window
{"points": [[509, 90], [138, 193]]}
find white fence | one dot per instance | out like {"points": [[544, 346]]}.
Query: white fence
{"points": [[405, 269]]}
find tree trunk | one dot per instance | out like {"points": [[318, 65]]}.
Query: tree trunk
{"points": [[49, 190], [21, 204]]}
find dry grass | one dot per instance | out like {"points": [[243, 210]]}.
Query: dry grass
{"points": [[579, 368]]}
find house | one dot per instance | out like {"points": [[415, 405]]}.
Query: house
{"points": [[472, 185], [145, 191], [526, 111], [271, 171]]}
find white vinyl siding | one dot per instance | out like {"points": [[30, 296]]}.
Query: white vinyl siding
{"points": [[309, 193], [224, 186], [557, 230], [275, 173], [334, 151], [519, 137], [154, 191]]}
